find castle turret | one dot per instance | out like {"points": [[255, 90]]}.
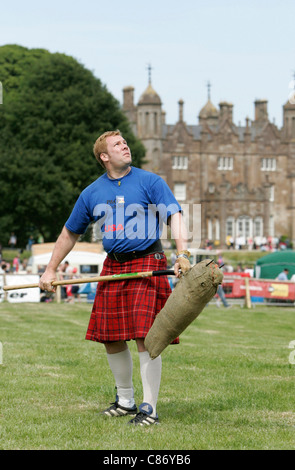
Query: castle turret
{"points": [[289, 121], [149, 114], [129, 108], [149, 125], [208, 114]]}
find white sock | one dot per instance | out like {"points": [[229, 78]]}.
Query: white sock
{"points": [[121, 366], [150, 370]]}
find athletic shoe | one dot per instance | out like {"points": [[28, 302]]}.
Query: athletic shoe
{"points": [[144, 418], [118, 410]]}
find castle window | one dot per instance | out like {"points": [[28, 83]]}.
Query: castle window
{"points": [[230, 224], [147, 124], [210, 230], [225, 163], [268, 164], [258, 227], [211, 188], [213, 229], [217, 229], [155, 123], [244, 227], [271, 226], [179, 163], [180, 191], [272, 193]]}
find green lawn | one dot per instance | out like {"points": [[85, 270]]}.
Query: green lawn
{"points": [[228, 385]]}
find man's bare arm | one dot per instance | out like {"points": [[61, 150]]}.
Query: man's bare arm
{"points": [[64, 244], [179, 233]]}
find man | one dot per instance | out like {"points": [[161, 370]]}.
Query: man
{"points": [[283, 276], [130, 206], [221, 295], [12, 240]]}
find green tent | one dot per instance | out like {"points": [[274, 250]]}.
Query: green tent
{"points": [[269, 266]]}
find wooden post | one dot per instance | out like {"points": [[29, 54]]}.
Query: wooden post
{"points": [[247, 296], [4, 284]]}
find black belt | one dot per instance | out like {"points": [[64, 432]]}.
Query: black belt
{"points": [[156, 247]]}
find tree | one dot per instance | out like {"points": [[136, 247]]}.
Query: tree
{"points": [[53, 110]]}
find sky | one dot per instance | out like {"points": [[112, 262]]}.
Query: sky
{"points": [[244, 48]]}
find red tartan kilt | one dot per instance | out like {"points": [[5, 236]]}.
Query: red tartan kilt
{"points": [[124, 310]]}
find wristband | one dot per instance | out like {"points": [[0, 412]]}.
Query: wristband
{"points": [[183, 254]]}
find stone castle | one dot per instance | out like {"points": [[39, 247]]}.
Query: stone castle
{"points": [[242, 175]]}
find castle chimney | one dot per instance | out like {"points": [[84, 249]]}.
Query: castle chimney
{"points": [[128, 98], [180, 103], [226, 111], [261, 110]]}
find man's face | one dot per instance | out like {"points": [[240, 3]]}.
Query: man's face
{"points": [[118, 152]]}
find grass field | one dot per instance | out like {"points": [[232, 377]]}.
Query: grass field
{"points": [[228, 385]]}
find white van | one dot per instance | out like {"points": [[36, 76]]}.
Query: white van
{"points": [[88, 258]]}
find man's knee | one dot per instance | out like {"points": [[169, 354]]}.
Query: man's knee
{"points": [[140, 344], [115, 347]]}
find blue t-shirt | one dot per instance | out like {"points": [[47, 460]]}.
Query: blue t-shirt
{"points": [[129, 211], [282, 276]]}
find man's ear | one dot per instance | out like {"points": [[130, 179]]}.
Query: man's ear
{"points": [[104, 157]]}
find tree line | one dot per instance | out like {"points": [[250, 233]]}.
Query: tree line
{"points": [[52, 112]]}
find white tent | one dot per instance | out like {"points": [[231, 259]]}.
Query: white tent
{"points": [[86, 262]]}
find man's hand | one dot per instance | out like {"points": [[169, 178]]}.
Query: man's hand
{"points": [[62, 247], [182, 265], [46, 280]]}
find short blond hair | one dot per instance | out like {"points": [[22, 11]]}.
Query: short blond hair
{"points": [[100, 145]]}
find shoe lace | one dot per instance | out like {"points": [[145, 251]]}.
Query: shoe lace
{"points": [[114, 404], [139, 417]]}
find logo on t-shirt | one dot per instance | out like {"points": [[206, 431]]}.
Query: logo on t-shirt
{"points": [[120, 200]]}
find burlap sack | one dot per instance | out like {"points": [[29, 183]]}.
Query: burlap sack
{"points": [[191, 294]]}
